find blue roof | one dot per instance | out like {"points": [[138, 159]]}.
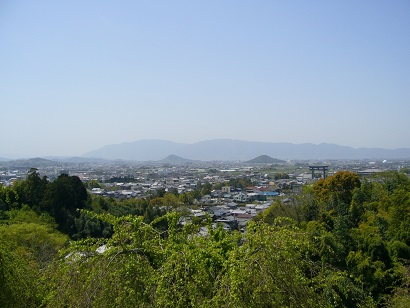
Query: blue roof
{"points": [[269, 193]]}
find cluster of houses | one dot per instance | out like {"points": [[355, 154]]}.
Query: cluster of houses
{"points": [[231, 216], [230, 207], [8, 177], [224, 195], [232, 194]]}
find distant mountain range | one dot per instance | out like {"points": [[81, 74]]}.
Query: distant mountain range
{"points": [[232, 150], [29, 163]]}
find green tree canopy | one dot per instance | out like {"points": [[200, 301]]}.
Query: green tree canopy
{"points": [[62, 199]]}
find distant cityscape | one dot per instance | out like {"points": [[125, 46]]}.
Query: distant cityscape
{"points": [[270, 179]]}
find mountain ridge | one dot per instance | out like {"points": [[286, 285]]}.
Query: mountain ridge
{"points": [[233, 149]]}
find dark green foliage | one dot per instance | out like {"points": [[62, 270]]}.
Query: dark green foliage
{"points": [[121, 179], [17, 282], [369, 225], [240, 182], [281, 175], [31, 191], [87, 226], [206, 189], [63, 199]]}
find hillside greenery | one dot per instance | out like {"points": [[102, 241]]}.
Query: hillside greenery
{"points": [[342, 242]]}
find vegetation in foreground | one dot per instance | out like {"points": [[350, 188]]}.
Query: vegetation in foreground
{"points": [[342, 243]]}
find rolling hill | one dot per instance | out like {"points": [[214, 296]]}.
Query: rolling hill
{"points": [[265, 159]]}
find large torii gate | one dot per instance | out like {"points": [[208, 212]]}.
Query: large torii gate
{"points": [[323, 168]]}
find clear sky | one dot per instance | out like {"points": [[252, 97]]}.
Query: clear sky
{"points": [[78, 75]]}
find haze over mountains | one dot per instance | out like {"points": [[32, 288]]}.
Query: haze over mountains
{"points": [[231, 150]]}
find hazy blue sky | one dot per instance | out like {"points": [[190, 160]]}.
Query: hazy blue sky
{"points": [[77, 75]]}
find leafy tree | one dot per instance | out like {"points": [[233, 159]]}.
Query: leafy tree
{"points": [[218, 186], [11, 198], [395, 180], [309, 204], [87, 226], [93, 184], [278, 209], [28, 244], [192, 267], [39, 241], [281, 175], [399, 216], [268, 270], [62, 199], [206, 189], [128, 268], [160, 192], [173, 191], [401, 295], [240, 182], [339, 186], [170, 201], [18, 287], [31, 190]]}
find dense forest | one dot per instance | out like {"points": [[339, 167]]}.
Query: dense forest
{"points": [[341, 242]]}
